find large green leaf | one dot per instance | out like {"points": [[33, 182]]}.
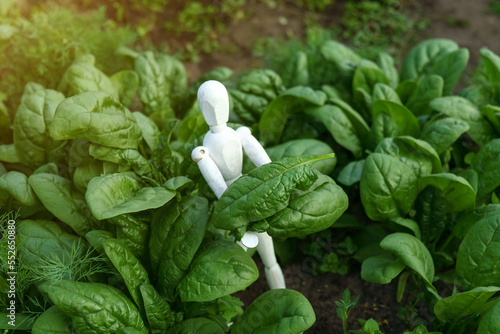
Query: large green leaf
{"points": [[450, 67], [300, 147], [416, 154], [126, 84], [185, 234], [97, 117], [404, 119], [34, 147], [66, 203], [487, 164], [310, 211], [423, 56], [381, 269], [444, 132], [115, 194], [82, 76], [295, 99], [263, 192], [125, 157], [388, 187], [150, 131], [455, 189], [340, 127], [129, 267], [276, 311], [461, 228], [492, 65], [480, 130], [132, 232], [52, 321], [94, 307], [463, 304], [351, 173], [220, 268], [429, 87], [477, 257], [413, 253], [43, 238], [158, 311], [15, 184], [489, 323], [343, 58]]}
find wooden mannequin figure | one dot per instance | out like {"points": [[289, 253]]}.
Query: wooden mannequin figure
{"points": [[220, 160]]}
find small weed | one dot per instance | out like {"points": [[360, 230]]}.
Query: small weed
{"points": [[345, 306]]}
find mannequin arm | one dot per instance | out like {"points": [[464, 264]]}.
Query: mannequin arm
{"points": [[209, 170], [252, 147]]}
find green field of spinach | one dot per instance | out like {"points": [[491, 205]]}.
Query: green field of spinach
{"points": [[117, 230], [119, 233]]}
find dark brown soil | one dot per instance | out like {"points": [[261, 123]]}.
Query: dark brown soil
{"points": [[375, 301]]}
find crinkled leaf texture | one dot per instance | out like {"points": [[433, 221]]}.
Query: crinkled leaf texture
{"points": [[388, 187], [63, 201], [94, 307], [477, 257], [264, 191], [129, 267], [34, 147], [158, 311], [97, 117], [310, 211], [115, 194], [219, 269], [489, 323], [180, 234], [464, 303], [487, 164], [276, 311]]}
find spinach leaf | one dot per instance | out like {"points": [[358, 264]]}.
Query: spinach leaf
{"points": [[416, 154], [59, 197], [443, 132], [300, 147], [126, 84], [276, 311], [489, 323], [339, 126], [131, 270], [382, 91], [461, 228], [247, 106], [450, 67], [492, 65], [428, 88], [115, 194], [34, 147], [43, 238], [455, 189], [423, 56], [97, 117], [150, 131], [185, 234], [52, 321], [383, 126], [480, 130], [311, 211], [431, 215], [132, 232], [196, 325], [388, 187], [413, 253], [362, 129], [97, 237], [124, 157], [220, 268], [477, 257], [463, 304], [82, 76], [404, 119], [94, 307], [343, 58], [158, 311], [263, 192], [296, 71], [15, 186], [351, 173], [386, 63], [295, 99], [381, 269], [263, 83], [487, 164]]}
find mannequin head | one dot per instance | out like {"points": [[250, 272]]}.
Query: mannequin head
{"points": [[214, 103]]}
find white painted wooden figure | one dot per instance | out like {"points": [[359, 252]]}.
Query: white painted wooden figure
{"points": [[220, 160]]}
